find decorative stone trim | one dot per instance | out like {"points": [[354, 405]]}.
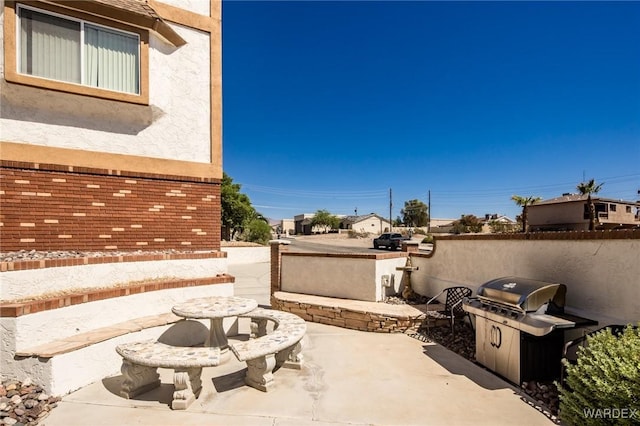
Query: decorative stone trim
{"points": [[22, 265], [16, 309], [362, 319]]}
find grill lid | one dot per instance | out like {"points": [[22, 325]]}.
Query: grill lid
{"points": [[523, 293]]}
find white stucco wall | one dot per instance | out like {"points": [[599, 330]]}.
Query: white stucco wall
{"points": [[28, 283], [347, 277], [179, 96], [244, 255], [602, 276], [32, 330]]}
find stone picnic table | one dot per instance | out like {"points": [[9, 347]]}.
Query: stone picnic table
{"points": [[216, 309]]}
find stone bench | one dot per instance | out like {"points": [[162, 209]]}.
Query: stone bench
{"points": [[140, 361], [268, 351]]}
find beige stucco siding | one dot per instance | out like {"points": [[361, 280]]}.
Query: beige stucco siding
{"points": [[553, 214], [372, 225]]}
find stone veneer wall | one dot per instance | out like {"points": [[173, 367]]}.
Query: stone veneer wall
{"points": [[53, 207], [346, 318]]}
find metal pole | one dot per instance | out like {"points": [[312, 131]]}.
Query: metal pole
{"points": [[390, 208], [429, 213]]}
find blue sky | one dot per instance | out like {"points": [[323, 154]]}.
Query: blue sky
{"points": [[329, 105]]}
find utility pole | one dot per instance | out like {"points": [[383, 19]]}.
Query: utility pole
{"points": [[429, 212], [390, 208]]}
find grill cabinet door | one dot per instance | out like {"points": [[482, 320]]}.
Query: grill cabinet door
{"points": [[498, 348], [507, 348], [485, 354]]}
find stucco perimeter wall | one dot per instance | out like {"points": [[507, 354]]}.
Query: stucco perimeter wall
{"points": [[346, 276], [602, 273], [244, 255]]}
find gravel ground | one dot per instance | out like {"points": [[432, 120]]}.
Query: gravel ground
{"points": [[66, 254]]}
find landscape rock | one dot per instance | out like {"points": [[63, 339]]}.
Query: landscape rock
{"points": [[28, 405]]}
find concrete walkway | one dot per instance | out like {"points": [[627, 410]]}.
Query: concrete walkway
{"points": [[349, 378]]}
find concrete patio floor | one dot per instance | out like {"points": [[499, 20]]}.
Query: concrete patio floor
{"points": [[349, 378]]}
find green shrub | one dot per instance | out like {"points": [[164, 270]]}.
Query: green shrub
{"points": [[603, 387], [419, 231], [427, 239], [257, 231]]}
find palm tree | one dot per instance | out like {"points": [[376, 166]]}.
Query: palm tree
{"points": [[590, 188], [524, 202]]}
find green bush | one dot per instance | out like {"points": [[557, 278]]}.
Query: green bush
{"points": [[603, 387], [427, 239], [257, 231]]}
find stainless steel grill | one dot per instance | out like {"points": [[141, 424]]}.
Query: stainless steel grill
{"points": [[520, 325]]}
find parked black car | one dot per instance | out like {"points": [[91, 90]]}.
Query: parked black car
{"points": [[392, 241]]}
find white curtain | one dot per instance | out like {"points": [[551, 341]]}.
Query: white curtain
{"points": [[49, 46], [111, 59]]}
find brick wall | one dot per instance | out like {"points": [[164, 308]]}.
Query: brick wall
{"points": [[50, 207]]}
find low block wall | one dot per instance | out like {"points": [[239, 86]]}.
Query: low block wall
{"points": [[331, 313], [347, 276], [245, 255]]}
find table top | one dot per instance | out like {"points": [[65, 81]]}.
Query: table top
{"points": [[214, 307]]}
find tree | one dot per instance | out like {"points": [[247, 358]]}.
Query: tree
{"points": [[501, 227], [237, 210], [415, 213], [589, 188], [467, 224], [325, 220], [525, 202]]}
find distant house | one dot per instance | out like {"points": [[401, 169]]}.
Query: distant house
{"points": [[371, 223], [302, 224], [494, 220], [286, 227], [111, 125], [571, 212], [441, 226]]}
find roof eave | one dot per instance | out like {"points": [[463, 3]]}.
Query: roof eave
{"points": [[151, 21]]}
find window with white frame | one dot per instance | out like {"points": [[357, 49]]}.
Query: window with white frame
{"points": [[66, 49]]}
